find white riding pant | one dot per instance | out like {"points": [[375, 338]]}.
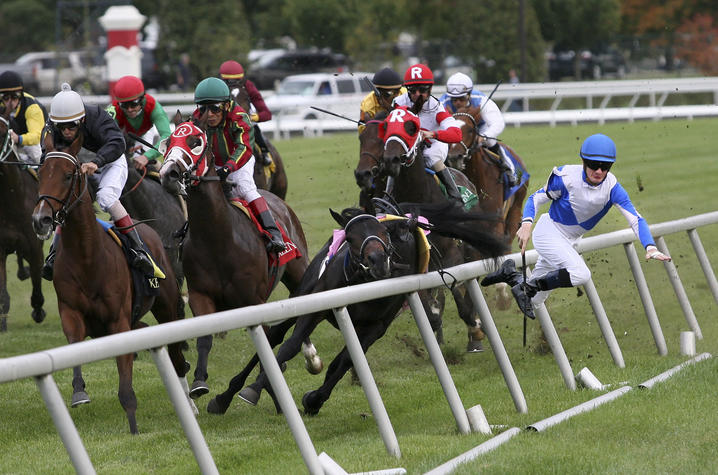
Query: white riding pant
{"points": [[29, 154], [556, 251], [243, 186], [110, 180], [436, 152]]}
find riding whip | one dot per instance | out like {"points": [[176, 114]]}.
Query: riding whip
{"points": [[359, 122], [141, 140], [523, 287]]}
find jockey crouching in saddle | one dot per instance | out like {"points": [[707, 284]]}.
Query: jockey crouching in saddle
{"points": [[138, 112], [232, 73], [228, 133], [27, 117], [387, 85], [460, 93], [438, 127], [69, 118]]}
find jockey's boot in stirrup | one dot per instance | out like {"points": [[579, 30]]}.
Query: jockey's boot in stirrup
{"points": [[451, 189], [276, 243], [140, 259], [524, 292], [507, 273], [49, 265], [503, 159]]}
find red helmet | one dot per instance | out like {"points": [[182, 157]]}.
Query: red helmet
{"points": [[418, 74], [231, 70], [128, 88]]}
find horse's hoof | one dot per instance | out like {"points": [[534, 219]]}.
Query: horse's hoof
{"points": [[474, 347], [310, 409], [314, 365], [79, 398], [249, 396], [199, 388], [38, 315], [214, 407]]}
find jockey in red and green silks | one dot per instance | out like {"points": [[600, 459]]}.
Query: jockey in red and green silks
{"points": [[229, 135]]}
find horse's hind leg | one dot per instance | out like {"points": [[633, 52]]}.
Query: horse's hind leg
{"points": [[23, 271], [199, 385], [128, 400], [4, 296], [79, 396], [37, 300], [466, 311], [433, 301]]}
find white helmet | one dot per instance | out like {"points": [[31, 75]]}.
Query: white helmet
{"points": [[459, 85], [66, 106]]}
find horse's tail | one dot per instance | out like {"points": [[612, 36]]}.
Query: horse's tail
{"points": [[471, 227]]}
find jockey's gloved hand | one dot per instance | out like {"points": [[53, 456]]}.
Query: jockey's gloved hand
{"points": [[223, 173]]}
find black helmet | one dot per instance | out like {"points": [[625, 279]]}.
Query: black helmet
{"points": [[10, 81], [387, 78]]}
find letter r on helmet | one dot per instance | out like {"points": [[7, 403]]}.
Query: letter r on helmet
{"points": [[416, 73]]}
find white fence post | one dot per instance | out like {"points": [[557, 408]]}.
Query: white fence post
{"points": [[604, 323], [705, 263]]}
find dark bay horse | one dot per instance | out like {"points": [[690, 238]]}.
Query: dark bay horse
{"points": [[367, 172], [373, 249], [275, 180], [18, 192], [402, 161], [484, 170], [92, 276], [224, 256]]}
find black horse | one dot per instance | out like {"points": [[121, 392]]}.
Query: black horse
{"points": [[374, 250], [18, 192]]}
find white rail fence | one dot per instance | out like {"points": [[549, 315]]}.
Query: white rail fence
{"points": [[596, 94], [41, 365]]}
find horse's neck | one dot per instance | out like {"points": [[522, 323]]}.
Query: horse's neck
{"points": [[81, 232], [486, 175], [208, 212], [414, 183]]}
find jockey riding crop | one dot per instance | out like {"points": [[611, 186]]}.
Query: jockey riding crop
{"points": [[360, 122]]}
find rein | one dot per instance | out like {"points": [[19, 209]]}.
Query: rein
{"points": [[144, 174], [468, 149], [59, 217], [7, 146]]}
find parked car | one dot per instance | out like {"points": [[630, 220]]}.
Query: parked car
{"points": [[591, 65], [340, 93], [26, 72], [85, 71], [274, 66]]}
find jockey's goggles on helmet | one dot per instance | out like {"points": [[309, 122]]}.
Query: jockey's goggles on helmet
{"points": [[132, 104], [419, 88], [214, 108], [67, 125], [597, 165], [10, 95], [388, 93]]}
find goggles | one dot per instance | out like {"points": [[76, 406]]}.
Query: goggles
{"points": [[67, 125], [10, 95], [213, 108], [422, 89], [388, 93], [597, 165], [132, 104]]}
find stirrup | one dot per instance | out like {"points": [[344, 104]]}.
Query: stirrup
{"points": [[276, 246]]}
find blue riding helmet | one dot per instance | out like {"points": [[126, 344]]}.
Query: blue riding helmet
{"points": [[598, 147]]}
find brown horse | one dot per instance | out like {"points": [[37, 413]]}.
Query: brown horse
{"points": [[483, 168], [18, 192], [265, 178], [224, 256], [371, 147], [403, 161], [92, 276]]}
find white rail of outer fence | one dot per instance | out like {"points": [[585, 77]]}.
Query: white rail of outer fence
{"points": [[596, 94], [41, 365]]}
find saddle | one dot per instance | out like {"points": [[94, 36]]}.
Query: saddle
{"points": [[469, 198]]}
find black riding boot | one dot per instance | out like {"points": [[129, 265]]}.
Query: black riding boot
{"points": [[140, 259], [507, 273], [49, 265], [276, 243], [510, 176], [451, 189], [523, 293]]}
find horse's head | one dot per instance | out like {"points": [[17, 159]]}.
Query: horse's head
{"points": [[62, 184], [401, 136], [184, 156], [5, 139], [460, 152], [370, 246], [371, 147]]}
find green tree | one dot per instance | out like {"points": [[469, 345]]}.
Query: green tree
{"points": [[321, 23], [18, 18]]}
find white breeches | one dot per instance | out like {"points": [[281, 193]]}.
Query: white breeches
{"points": [[556, 252], [110, 179], [435, 153], [243, 182]]}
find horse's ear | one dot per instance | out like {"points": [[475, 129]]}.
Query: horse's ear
{"points": [[338, 218]]}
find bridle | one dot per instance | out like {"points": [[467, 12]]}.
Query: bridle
{"points": [[7, 146], [377, 160], [356, 262], [407, 158], [67, 203], [468, 149]]}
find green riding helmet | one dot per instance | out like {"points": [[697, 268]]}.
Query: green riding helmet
{"points": [[211, 90]]}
